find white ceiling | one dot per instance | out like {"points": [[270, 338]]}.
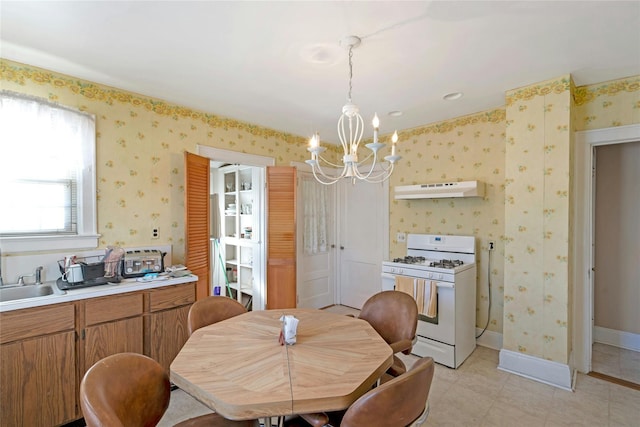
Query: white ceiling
{"points": [[279, 64]]}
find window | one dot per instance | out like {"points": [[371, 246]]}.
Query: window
{"points": [[47, 175]]}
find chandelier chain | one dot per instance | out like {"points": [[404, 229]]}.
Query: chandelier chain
{"points": [[350, 70]]}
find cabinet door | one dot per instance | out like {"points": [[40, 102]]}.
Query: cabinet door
{"points": [[113, 325], [110, 338], [166, 328], [167, 334], [38, 381]]}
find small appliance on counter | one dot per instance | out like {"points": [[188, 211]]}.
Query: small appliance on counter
{"points": [[84, 272], [137, 263]]}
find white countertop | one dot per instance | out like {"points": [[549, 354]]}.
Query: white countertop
{"points": [[126, 285]]}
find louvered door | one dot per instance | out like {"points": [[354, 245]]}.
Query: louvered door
{"points": [[281, 237], [196, 216]]}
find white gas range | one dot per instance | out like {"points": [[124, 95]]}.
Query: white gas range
{"points": [[447, 264]]}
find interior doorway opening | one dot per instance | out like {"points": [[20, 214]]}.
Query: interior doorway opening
{"points": [[238, 239], [584, 237]]}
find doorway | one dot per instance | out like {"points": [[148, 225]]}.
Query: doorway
{"points": [[585, 239], [251, 253], [358, 242], [616, 330]]}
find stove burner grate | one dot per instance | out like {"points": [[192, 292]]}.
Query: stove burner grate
{"points": [[410, 259], [446, 263]]}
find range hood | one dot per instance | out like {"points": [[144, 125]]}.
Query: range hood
{"points": [[440, 190]]}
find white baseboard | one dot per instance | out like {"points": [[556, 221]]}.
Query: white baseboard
{"points": [[622, 339], [545, 371], [489, 339]]}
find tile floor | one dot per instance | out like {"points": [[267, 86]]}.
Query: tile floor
{"points": [[478, 394], [616, 362]]}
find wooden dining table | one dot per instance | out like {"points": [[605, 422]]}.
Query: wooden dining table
{"points": [[238, 368]]}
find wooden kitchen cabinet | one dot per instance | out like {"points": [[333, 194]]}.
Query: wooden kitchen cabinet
{"points": [[45, 351], [166, 328], [113, 324], [38, 366]]}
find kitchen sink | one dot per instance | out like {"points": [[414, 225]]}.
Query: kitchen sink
{"points": [[15, 292]]}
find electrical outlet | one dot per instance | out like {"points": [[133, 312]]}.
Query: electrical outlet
{"points": [[401, 237], [155, 233], [491, 245]]}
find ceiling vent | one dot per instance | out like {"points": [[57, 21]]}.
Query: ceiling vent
{"points": [[440, 190]]}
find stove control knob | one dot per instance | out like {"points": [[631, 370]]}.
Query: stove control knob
{"points": [[430, 275], [440, 276]]}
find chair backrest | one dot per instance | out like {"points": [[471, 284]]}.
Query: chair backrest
{"points": [[396, 403], [125, 389], [393, 314], [211, 310]]}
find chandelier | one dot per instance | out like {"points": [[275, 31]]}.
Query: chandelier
{"points": [[350, 130]]}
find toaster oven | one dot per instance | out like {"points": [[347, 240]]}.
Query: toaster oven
{"points": [[137, 263]]}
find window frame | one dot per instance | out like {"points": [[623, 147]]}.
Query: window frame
{"points": [[86, 235]]}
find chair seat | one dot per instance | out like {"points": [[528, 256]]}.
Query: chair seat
{"points": [[213, 420]]}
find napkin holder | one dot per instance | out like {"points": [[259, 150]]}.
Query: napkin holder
{"points": [[289, 329]]}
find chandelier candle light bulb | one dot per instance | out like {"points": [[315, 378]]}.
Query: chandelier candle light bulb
{"points": [[394, 140], [376, 124]]}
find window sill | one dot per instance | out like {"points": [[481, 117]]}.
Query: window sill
{"points": [[48, 243]]}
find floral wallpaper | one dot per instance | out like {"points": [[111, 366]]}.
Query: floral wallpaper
{"points": [[608, 104], [534, 128], [521, 151], [140, 146], [463, 149], [537, 212]]}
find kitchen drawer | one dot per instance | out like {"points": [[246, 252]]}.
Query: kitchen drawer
{"points": [[32, 322], [105, 309], [172, 296]]}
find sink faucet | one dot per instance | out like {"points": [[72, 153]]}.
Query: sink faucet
{"points": [[39, 275]]}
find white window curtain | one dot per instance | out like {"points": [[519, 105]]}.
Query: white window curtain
{"points": [[43, 155], [315, 202]]}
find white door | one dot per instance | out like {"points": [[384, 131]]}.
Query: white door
{"points": [[315, 238], [363, 239]]}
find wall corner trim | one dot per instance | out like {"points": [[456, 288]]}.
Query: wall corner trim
{"points": [[541, 370]]}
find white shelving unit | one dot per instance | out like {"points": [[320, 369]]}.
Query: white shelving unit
{"points": [[237, 184]]}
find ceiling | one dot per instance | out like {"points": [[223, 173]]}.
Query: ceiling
{"points": [[280, 65]]}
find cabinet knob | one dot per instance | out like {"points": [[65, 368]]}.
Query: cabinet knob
{"points": [[341, 247]]}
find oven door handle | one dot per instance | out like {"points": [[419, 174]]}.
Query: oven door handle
{"points": [[446, 285]]}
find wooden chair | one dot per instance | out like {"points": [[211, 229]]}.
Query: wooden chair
{"points": [[394, 315], [211, 310], [401, 401], [133, 390]]}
